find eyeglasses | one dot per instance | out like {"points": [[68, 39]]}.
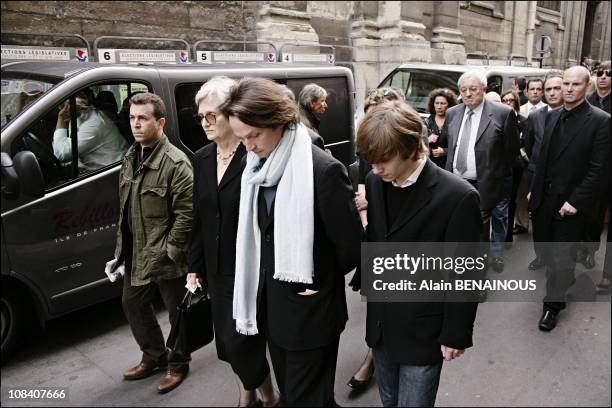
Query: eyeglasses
{"points": [[601, 73], [210, 117]]}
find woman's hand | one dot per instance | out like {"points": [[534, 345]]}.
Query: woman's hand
{"points": [[438, 152], [433, 138], [360, 201]]}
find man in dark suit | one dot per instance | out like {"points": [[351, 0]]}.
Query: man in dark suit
{"points": [[532, 138], [572, 170], [413, 200], [600, 98], [483, 143], [299, 233]]}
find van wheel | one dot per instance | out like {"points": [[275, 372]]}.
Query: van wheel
{"points": [[15, 317]]}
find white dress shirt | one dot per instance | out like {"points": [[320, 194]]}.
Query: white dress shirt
{"points": [[527, 108], [412, 178], [470, 173], [100, 142]]}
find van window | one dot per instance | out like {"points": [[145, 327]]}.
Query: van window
{"points": [[190, 130], [335, 126], [418, 83], [335, 122], [103, 133], [18, 93]]}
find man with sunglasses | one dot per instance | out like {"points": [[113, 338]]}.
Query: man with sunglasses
{"points": [[601, 97]]}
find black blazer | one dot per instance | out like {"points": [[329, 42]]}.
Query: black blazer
{"points": [[445, 208], [432, 127], [580, 170], [532, 137], [215, 213], [298, 322], [497, 145]]}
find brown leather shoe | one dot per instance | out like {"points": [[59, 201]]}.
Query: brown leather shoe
{"points": [[142, 370], [171, 380]]}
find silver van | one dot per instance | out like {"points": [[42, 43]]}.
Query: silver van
{"points": [[59, 217]]}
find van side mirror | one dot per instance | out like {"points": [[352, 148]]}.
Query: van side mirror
{"points": [[10, 180], [31, 179]]}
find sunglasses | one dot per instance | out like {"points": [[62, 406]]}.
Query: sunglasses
{"points": [[508, 100], [210, 117], [601, 73]]}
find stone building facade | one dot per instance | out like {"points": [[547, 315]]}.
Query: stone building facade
{"points": [[371, 37]]}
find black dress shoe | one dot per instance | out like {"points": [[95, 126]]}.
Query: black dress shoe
{"points": [[536, 264], [589, 261], [498, 264], [548, 321], [360, 385]]}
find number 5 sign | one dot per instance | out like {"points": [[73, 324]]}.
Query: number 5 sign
{"points": [[205, 57]]}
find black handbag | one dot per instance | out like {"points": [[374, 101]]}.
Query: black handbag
{"points": [[192, 327]]}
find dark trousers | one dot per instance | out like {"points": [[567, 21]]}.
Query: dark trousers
{"points": [[560, 257], [138, 307], [405, 385], [517, 177], [305, 378], [607, 269], [485, 234], [536, 240]]}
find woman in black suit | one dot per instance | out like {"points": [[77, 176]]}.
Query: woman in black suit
{"points": [[216, 194], [512, 99], [440, 100]]}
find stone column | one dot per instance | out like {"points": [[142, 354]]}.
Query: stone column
{"points": [[365, 39], [519, 27], [286, 22], [386, 34], [402, 33], [447, 43]]}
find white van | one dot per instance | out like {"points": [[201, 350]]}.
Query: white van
{"points": [[418, 80]]}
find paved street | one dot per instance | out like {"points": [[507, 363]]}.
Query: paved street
{"points": [[511, 363]]}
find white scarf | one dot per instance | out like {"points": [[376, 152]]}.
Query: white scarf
{"points": [[290, 168]]}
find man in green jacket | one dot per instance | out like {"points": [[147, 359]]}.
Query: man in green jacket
{"points": [[155, 190]]}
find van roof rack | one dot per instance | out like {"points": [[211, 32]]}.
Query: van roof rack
{"points": [[136, 55], [308, 58], [210, 56], [12, 51]]}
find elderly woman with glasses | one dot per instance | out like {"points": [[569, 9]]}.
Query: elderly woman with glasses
{"points": [[218, 167]]}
